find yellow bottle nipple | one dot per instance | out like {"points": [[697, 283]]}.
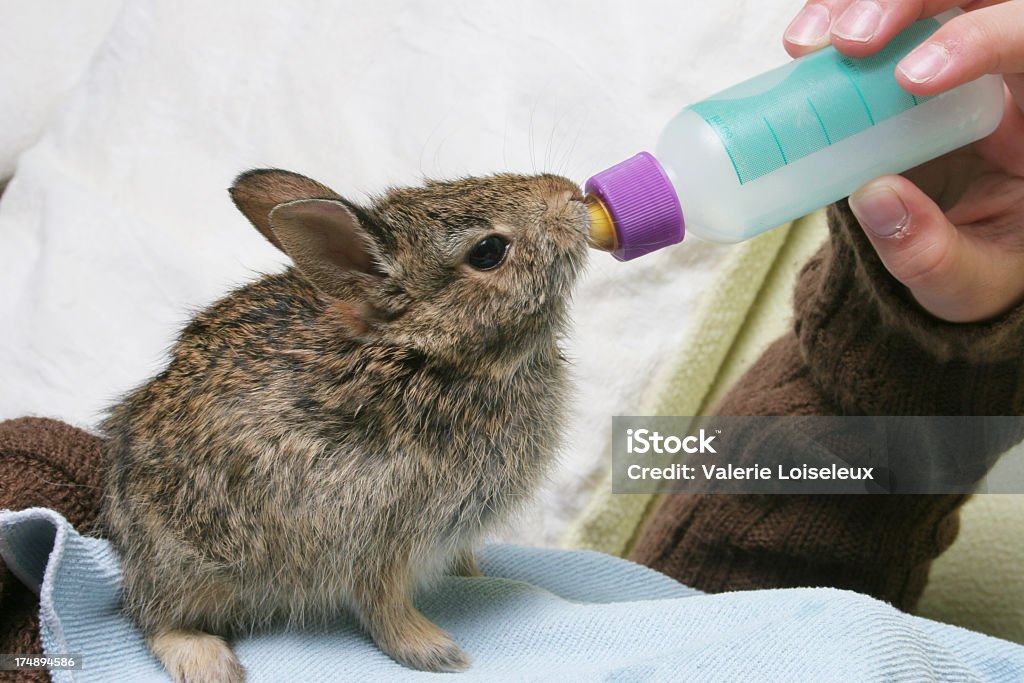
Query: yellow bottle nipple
{"points": [[601, 233]]}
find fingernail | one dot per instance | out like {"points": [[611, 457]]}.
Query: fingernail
{"points": [[810, 26], [859, 22], [925, 63], [881, 211]]}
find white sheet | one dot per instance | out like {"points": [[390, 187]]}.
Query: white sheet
{"points": [[44, 49], [117, 223]]}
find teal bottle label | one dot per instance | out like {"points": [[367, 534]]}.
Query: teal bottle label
{"points": [[826, 98]]}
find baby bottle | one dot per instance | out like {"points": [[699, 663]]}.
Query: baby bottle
{"points": [[782, 144]]}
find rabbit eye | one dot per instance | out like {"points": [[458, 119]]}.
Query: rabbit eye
{"points": [[488, 253]]}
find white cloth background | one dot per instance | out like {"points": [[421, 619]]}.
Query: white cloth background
{"points": [[132, 123]]}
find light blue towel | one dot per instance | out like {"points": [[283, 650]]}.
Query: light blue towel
{"points": [[539, 615]]}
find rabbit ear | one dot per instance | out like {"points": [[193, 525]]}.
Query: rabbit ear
{"points": [[257, 192], [326, 241]]}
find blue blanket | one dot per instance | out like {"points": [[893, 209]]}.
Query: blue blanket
{"points": [[538, 615]]}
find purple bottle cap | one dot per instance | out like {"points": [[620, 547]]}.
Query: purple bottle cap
{"points": [[642, 204]]}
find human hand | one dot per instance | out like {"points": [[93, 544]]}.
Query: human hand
{"points": [[963, 262]]}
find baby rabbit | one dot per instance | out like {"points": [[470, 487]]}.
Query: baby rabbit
{"points": [[337, 435]]}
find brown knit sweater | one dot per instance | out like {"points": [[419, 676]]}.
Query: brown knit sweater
{"points": [[859, 346], [43, 463]]}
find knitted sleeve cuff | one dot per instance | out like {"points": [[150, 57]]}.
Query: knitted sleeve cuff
{"points": [[869, 345], [52, 464]]}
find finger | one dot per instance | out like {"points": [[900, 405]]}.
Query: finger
{"points": [[950, 275], [866, 26], [809, 30], [989, 40]]}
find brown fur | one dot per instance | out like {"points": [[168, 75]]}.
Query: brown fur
{"points": [[337, 435]]}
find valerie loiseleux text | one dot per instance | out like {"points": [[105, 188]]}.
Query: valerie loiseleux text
{"points": [[645, 441]]}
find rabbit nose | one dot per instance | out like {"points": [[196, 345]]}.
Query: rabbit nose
{"points": [[568, 221], [559, 201]]}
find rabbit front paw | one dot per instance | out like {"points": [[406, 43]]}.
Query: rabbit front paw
{"points": [[430, 652], [196, 657], [408, 637]]}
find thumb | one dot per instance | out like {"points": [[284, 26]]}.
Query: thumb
{"points": [[941, 267]]}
